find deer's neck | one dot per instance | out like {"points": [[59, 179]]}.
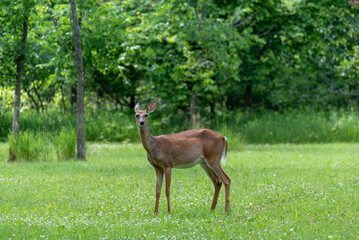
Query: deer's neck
{"points": [[148, 141]]}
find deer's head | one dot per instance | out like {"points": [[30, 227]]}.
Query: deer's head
{"points": [[141, 115]]}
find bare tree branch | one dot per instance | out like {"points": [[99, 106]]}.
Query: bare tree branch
{"points": [[266, 32], [83, 19], [33, 101], [341, 92], [244, 20], [39, 97]]}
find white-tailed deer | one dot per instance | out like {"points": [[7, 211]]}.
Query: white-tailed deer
{"points": [[183, 150]]}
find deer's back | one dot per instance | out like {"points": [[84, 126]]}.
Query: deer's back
{"points": [[188, 146]]}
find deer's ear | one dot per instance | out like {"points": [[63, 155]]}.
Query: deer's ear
{"points": [[151, 107], [137, 107]]}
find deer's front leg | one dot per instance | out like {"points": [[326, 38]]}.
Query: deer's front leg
{"points": [[168, 186], [159, 180]]}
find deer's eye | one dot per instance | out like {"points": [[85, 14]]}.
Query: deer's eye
{"points": [[145, 115], [137, 116]]}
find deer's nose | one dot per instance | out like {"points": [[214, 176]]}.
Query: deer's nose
{"points": [[142, 123]]}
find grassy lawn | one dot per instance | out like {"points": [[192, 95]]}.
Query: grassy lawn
{"points": [[278, 191]]}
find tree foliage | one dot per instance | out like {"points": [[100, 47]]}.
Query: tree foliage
{"points": [[272, 54]]}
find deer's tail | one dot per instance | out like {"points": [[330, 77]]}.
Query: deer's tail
{"points": [[224, 154]]}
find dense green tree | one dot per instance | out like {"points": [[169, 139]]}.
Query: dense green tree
{"points": [[17, 14], [194, 56]]}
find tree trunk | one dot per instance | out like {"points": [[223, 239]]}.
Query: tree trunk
{"points": [[248, 91], [19, 67], [99, 98], [132, 101], [80, 85], [248, 97]]}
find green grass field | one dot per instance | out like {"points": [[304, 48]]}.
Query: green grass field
{"points": [[277, 192]]}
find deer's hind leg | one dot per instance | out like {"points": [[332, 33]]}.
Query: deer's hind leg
{"points": [[216, 182], [227, 185], [215, 166], [168, 187]]}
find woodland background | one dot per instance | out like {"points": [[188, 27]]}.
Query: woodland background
{"points": [[263, 71]]}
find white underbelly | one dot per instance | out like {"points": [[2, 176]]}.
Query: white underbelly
{"points": [[190, 164]]}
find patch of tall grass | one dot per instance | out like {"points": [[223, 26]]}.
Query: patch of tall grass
{"points": [[299, 127], [235, 140], [238, 127], [4, 153], [99, 125], [30, 146], [47, 123], [110, 126], [5, 125], [65, 144]]}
